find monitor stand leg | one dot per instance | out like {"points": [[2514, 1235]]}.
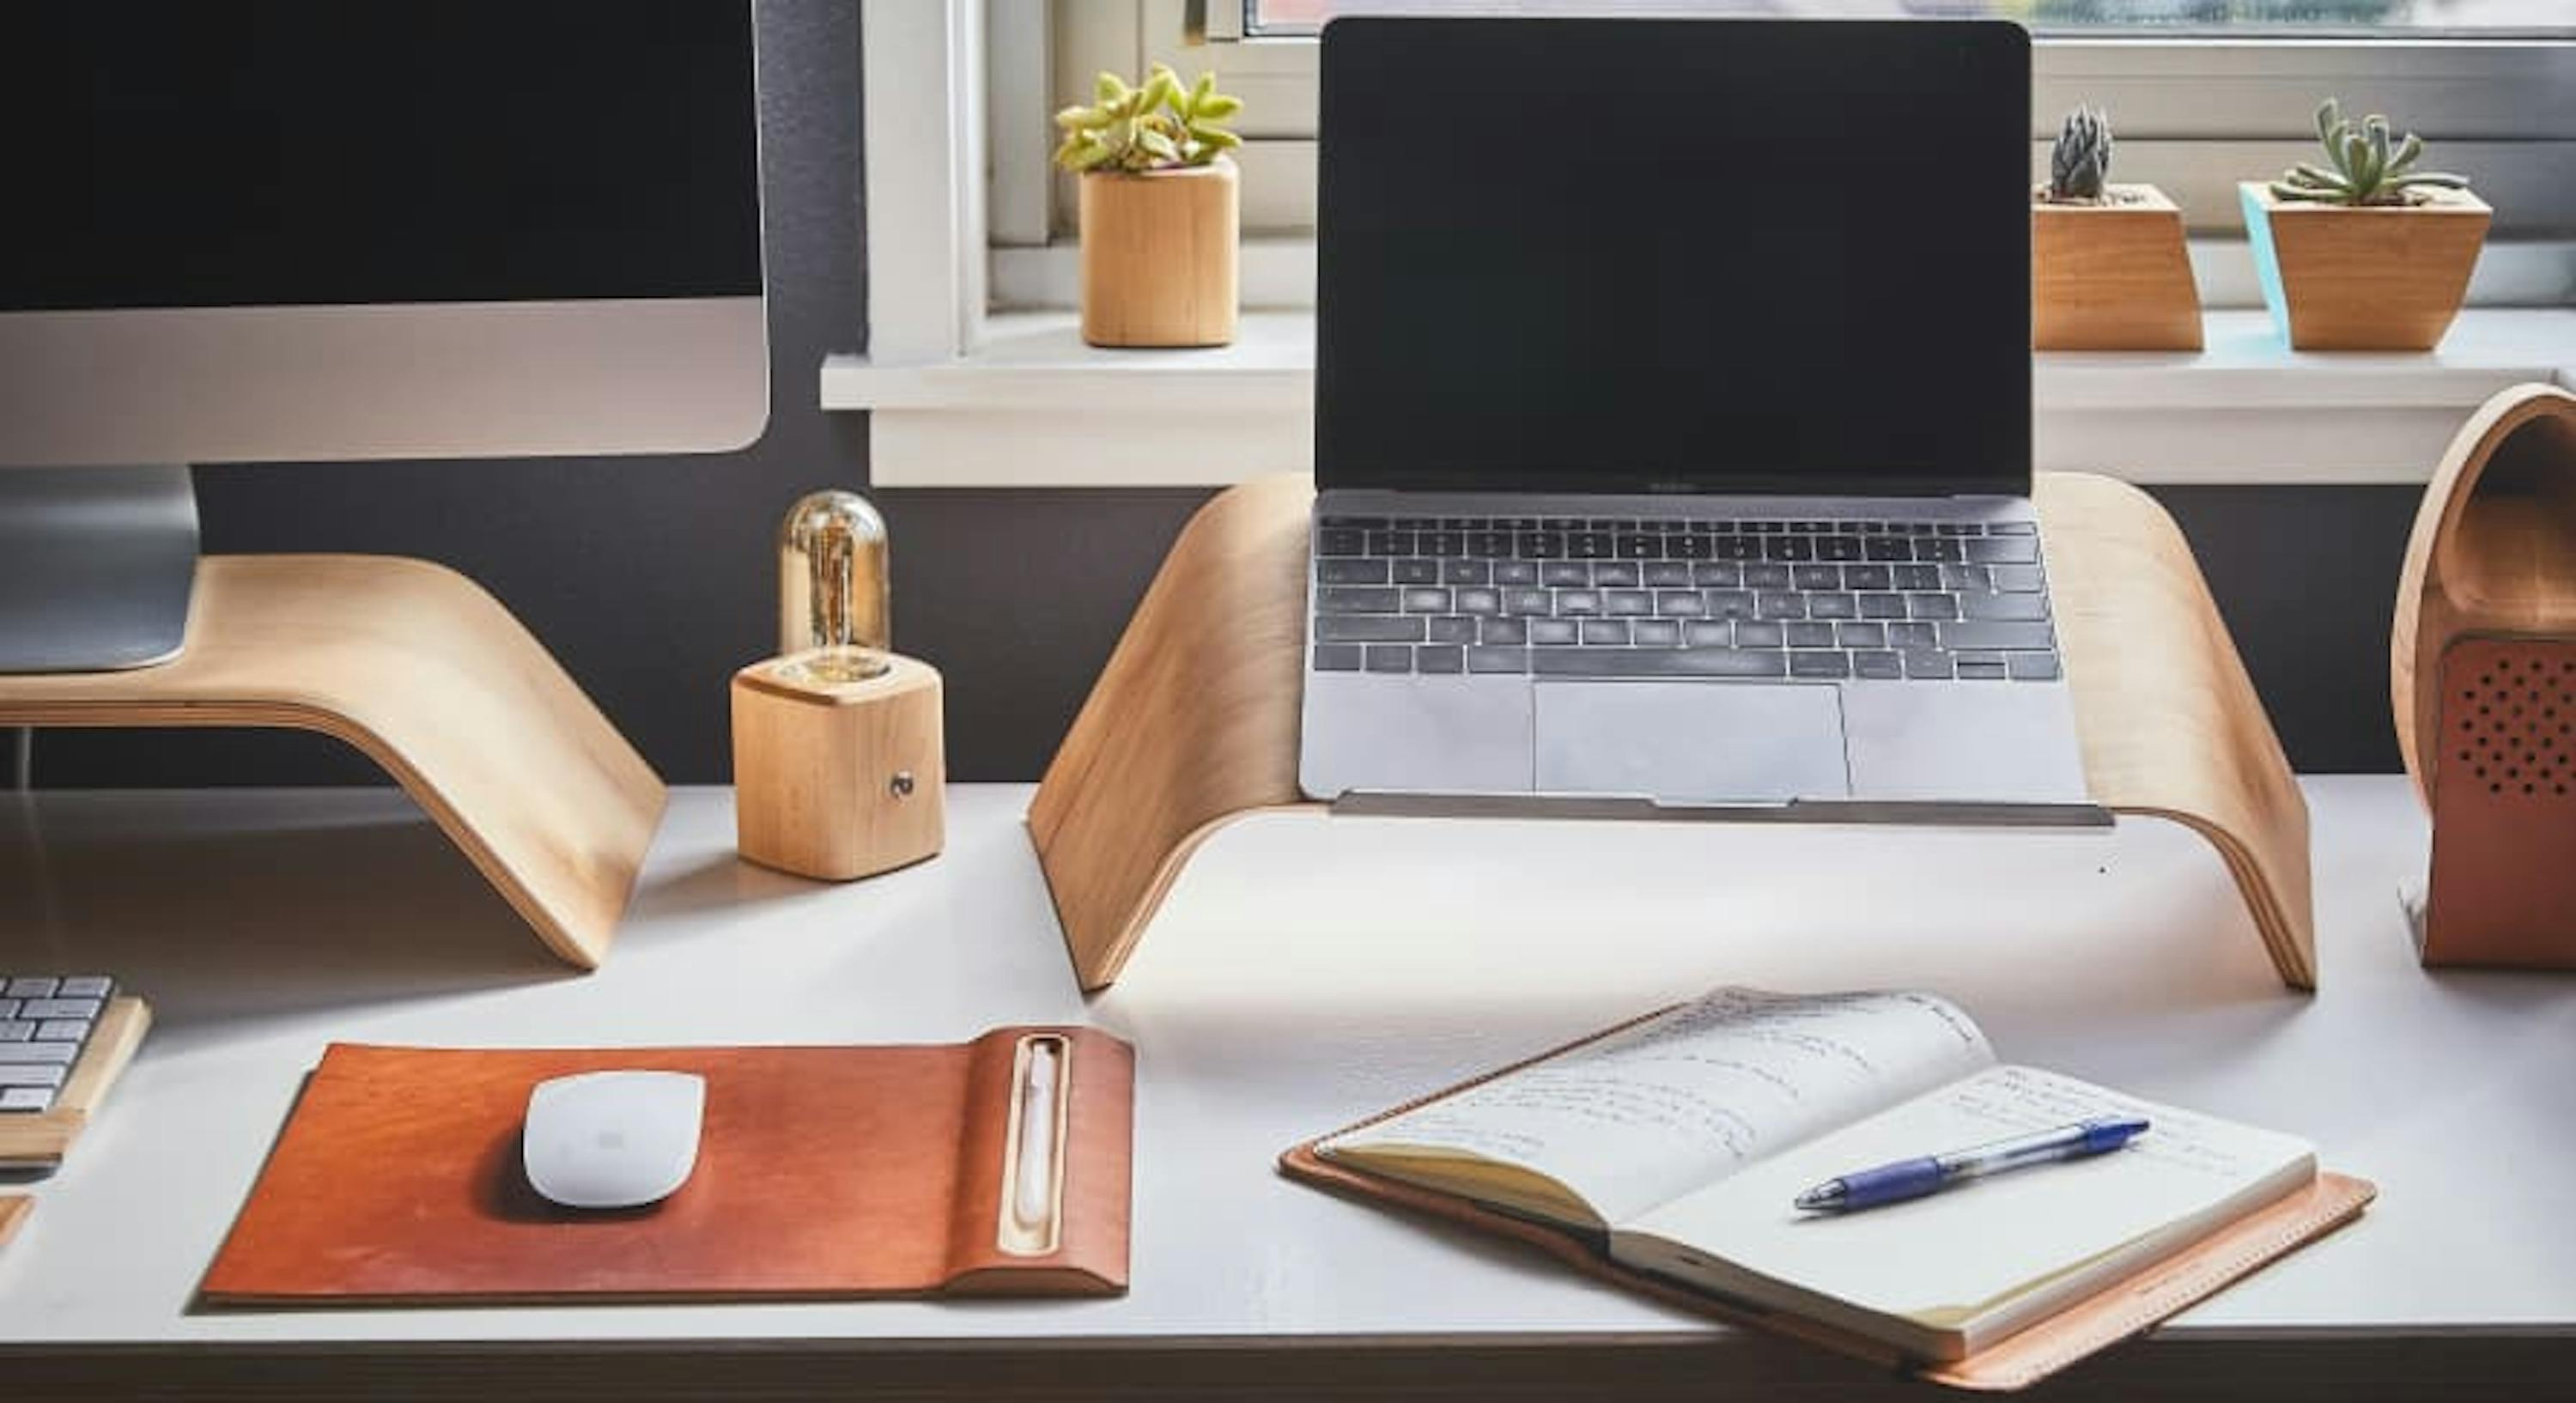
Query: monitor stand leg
{"points": [[96, 565]]}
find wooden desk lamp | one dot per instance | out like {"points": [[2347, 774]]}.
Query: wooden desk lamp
{"points": [[2482, 665]]}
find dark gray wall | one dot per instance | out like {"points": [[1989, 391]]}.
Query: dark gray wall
{"points": [[650, 577]]}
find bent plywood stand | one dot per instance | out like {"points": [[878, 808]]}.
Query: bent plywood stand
{"points": [[419, 668], [1194, 722]]}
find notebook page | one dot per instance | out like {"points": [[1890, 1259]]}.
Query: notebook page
{"points": [[1945, 1259], [1648, 1114]]}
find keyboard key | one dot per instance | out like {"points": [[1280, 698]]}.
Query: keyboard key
{"points": [[1813, 577], [1996, 637], [1708, 635], [1443, 545], [1668, 574], [59, 1008], [1835, 605], [31, 987], [1688, 548], [1451, 630], [1810, 635], [1615, 572], [2015, 579], [1861, 635], [1605, 632], [1552, 631], [1720, 573], [1563, 574], [1659, 662], [1367, 628], [1440, 658], [1466, 572], [16, 1075], [16, 1031], [1959, 578], [1769, 577], [1931, 606], [1577, 603], [1760, 635], [1384, 657], [1775, 605], [1350, 572], [1417, 572], [1515, 572], [1340, 541], [1729, 604], [1337, 657], [1355, 599], [1477, 600], [1877, 665], [1868, 577], [64, 1029], [1426, 601], [1882, 606], [1489, 659], [1735, 547], [2011, 528], [1489, 545], [1589, 545], [1510, 631], [1819, 665], [1839, 548], [2004, 550], [1940, 548], [1641, 548], [1918, 577], [1788, 548], [1528, 601], [1924, 662], [2020, 607], [1656, 633], [1541, 545], [1628, 603], [26, 1098], [1680, 603], [1888, 548], [1912, 636], [55, 1053], [1981, 669], [8, 1009], [2032, 667]]}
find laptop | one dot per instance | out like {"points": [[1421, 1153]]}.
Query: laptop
{"points": [[1673, 419]]}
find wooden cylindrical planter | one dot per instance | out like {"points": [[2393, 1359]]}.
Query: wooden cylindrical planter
{"points": [[1159, 256], [2339, 278], [2482, 666], [838, 780], [2113, 276]]}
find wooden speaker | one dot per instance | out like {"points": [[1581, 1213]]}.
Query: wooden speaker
{"points": [[836, 775], [2483, 684]]}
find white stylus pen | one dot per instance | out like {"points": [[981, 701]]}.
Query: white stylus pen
{"points": [[1033, 1197]]}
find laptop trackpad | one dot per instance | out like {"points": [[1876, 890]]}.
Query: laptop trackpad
{"points": [[1692, 742]]}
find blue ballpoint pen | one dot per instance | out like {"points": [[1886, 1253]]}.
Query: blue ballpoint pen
{"points": [[1913, 1178]]}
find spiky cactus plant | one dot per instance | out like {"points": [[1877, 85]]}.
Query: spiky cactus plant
{"points": [[1155, 125], [2080, 163], [2369, 168]]}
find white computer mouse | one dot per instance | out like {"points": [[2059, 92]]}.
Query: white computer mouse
{"points": [[613, 1139]]}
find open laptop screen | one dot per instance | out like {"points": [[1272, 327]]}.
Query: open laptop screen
{"points": [[1697, 255]]}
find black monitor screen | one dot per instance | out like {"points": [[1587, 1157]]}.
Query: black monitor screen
{"points": [[221, 153], [1629, 255]]}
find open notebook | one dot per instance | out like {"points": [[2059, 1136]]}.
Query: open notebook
{"points": [[1676, 1144]]}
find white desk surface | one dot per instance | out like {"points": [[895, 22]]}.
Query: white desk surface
{"points": [[1307, 971]]}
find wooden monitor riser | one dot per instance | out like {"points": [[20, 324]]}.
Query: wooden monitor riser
{"points": [[430, 677], [1193, 724]]}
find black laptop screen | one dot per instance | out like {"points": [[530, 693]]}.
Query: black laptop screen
{"points": [[1716, 255]]}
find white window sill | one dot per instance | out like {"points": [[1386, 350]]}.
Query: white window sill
{"points": [[1033, 406]]}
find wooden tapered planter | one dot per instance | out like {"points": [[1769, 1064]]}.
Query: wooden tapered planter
{"points": [[1158, 256], [2364, 278], [2114, 276]]}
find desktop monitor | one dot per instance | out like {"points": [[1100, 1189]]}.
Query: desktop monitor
{"points": [[263, 230]]}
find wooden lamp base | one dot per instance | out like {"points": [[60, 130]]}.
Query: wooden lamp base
{"points": [[838, 780]]}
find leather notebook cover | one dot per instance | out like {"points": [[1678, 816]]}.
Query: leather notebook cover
{"points": [[823, 1172], [2124, 1309]]}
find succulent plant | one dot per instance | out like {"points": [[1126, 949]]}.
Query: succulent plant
{"points": [[2369, 168], [2080, 162], [1154, 125]]}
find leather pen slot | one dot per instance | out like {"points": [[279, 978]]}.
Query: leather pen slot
{"points": [[1031, 1218]]}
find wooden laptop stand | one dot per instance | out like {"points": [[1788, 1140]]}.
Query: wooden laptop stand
{"points": [[427, 674], [1193, 724]]}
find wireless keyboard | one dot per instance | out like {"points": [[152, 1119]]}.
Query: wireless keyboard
{"points": [[45, 1021]]}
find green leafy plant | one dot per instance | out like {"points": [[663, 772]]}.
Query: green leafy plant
{"points": [[1155, 125], [2369, 167], [2080, 163]]}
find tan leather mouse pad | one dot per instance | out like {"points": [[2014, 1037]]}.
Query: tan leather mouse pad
{"points": [[822, 1172]]}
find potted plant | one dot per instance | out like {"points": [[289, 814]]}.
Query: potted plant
{"points": [[2371, 254], [1159, 210], [2109, 270]]}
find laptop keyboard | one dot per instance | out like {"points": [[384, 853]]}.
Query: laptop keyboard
{"points": [[1594, 597]]}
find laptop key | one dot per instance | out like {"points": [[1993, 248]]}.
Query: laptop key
{"points": [[1912, 636], [1656, 633], [1605, 632], [1444, 544], [1417, 572], [1337, 657], [1803, 634], [1819, 665], [1997, 637], [1868, 577], [1541, 545], [1659, 662], [1466, 572], [1729, 604], [1528, 601], [2020, 607], [1769, 577], [1877, 664], [1680, 603], [1589, 545], [1492, 659], [1390, 657], [1750, 634], [1512, 631], [1440, 658], [1515, 572], [1708, 634], [1426, 601], [1888, 548], [1628, 603], [2014, 579], [1451, 630], [1552, 631], [2004, 550], [1478, 600], [1691, 547], [1559, 574], [1350, 571], [1813, 577], [1833, 605], [2011, 528], [1641, 548], [1721, 573], [1335, 540], [1776, 605], [1882, 606], [1354, 599], [1956, 578], [1918, 577], [1788, 548], [1390, 543], [1839, 547], [1861, 635], [1931, 606], [1615, 572], [1981, 669], [1940, 548], [1489, 545], [1667, 574], [1735, 547], [1368, 628], [1925, 662], [2032, 667]]}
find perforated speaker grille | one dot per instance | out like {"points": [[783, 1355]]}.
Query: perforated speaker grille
{"points": [[2514, 721], [2503, 889]]}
